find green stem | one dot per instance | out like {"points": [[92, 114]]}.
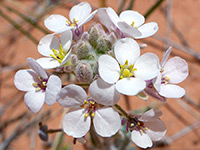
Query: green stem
{"points": [[131, 5], [149, 12], [102, 3], [121, 110], [54, 130], [121, 6], [18, 27]]}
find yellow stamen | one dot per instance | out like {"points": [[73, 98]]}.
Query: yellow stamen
{"points": [[37, 89], [132, 124], [35, 84], [132, 24], [93, 114], [86, 115]]}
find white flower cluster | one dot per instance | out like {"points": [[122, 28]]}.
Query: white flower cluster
{"points": [[110, 64]]}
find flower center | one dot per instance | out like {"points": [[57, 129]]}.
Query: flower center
{"points": [[126, 70], [165, 80], [58, 55], [41, 85], [72, 24]]}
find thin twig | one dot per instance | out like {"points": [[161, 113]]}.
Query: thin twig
{"points": [[151, 10]]}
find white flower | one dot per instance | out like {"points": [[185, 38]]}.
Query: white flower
{"points": [[130, 71], [57, 51], [77, 122], [39, 86], [173, 71], [146, 128], [79, 15], [129, 22]]}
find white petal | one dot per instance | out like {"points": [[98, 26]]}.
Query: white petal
{"points": [[126, 49], [71, 95], [104, 93], [148, 29], [109, 69], [154, 94], [171, 91], [156, 129], [176, 69], [53, 87], [166, 55], [34, 100], [128, 29], [147, 66], [130, 86], [80, 12], [106, 121], [66, 58], [37, 68], [113, 16], [150, 115], [75, 124], [88, 18], [48, 63], [24, 80], [130, 16], [56, 23], [141, 140], [157, 82], [66, 40], [48, 43]]}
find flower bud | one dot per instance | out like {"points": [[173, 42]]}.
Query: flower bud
{"points": [[74, 59], [83, 72], [83, 49], [103, 45], [43, 132]]}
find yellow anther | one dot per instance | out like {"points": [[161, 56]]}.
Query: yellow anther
{"points": [[167, 78], [121, 66], [75, 21], [141, 132], [44, 83], [121, 77], [126, 73], [130, 74], [93, 114], [68, 22], [37, 89], [145, 128], [132, 24], [161, 70], [85, 102], [58, 55], [86, 115], [40, 78], [131, 67], [132, 124], [126, 63], [35, 84], [138, 123]]}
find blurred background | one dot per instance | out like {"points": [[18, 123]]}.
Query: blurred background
{"points": [[21, 28]]}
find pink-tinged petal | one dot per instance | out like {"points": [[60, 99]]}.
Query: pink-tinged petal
{"points": [[130, 86], [109, 69], [54, 85], [80, 12], [171, 91], [165, 57], [148, 29], [71, 95], [48, 63], [87, 19], [126, 49], [113, 16], [176, 69], [66, 58], [34, 100], [24, 80], [130, 16], [48, 43], [128, 29], [156, 129], [56, 23], [75, 124], [157, 82], [141, 139], [37, 68], [150, 115], [106, 121], [104, 93], [66, 40], [147, 66], [154, 94], [105, 19]]}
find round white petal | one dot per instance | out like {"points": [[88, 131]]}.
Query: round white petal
{"points": [[176, 69], [48, 43], [156, 129], [53, 87], [56, 23], [147, 66], [141, 140], [128, 29], [75, 124], [71, 95], [113, 16], [151, 115], [48, 63], [104, 93], [171, 91], [88, 18], [106, 121], [34, 100], [80, 12], [166, 55], [66, 40], [109, 69], [157, 82], [148, 29], [130, 86], [130, 16], [24, 80], [37, 68], [126, 49]]}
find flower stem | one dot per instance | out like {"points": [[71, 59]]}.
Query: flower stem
{"points": [[121, 110]]}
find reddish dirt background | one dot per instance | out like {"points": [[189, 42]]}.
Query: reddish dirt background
{"points": [[177, 114]]}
